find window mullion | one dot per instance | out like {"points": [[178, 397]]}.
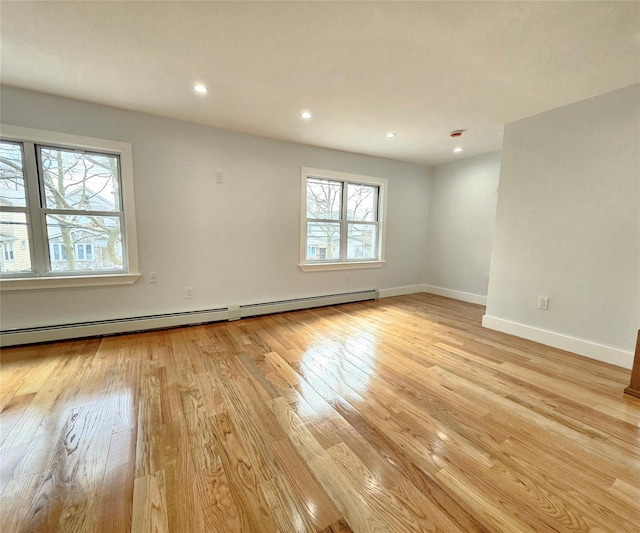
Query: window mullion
{"points": [[35, 217], [78, 212], [322, 220], [343, 223], [123, 239]]}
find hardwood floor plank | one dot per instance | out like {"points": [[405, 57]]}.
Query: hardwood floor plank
{"points": [[184, 508], [149, 504], [424, 509], [487, 508], [310, 395], [334, 481], [14, 409], [379, 499], [151, 428], [424, 481], [285, 507], [217, 507], [341, 526], [67, 495], [318, 506], [15, 502], [27, 425], [213, 501], [625, 492], [571, 485], [260, 380], [575, 442], [115, 510], [254, 511], [253, 422], [9, 460]]}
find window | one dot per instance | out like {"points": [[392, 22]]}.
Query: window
{"points": [[8, 251], [69, 200], [58, 252], [342, 220], [85, 252]]}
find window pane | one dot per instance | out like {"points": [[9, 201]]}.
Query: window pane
{"points": [[362, 202], [75, 235], [362, 241], [14, 242], [324, 199], [82, 181], [323, 241], [12, 191]]}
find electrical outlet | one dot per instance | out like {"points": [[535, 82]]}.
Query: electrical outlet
{"points": [[153, 277], [188, 292], [348, 278], [543, 302], [219, 177]]}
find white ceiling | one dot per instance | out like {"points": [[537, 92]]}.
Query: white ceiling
{"points": [[420, 69]]}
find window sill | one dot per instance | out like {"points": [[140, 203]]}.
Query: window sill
{"points": [[347, 265], [66, 282]]}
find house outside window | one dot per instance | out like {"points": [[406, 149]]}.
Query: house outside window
{"points": [[64, 198], [342, 220]]}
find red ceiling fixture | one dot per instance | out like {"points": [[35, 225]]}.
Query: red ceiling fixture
{"points": [[456, 133]]}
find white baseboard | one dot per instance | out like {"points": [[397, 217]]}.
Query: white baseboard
{"points": [[297, 304], [99, 328], [457, 295], [108, 327], [599, 352], [400, 291]]}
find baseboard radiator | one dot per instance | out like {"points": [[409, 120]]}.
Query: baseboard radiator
{"points": [[15, 337]]}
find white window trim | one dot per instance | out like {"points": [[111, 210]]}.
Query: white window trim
{"points": [[381, 183], [65, 140]]}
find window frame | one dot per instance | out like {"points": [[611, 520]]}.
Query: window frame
{"points": [[345, 178], [38, 241]]}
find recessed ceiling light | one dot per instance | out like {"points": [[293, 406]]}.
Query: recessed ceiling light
{"points": [[457, 150], [390, 135], [305, 115], [199, 88]]}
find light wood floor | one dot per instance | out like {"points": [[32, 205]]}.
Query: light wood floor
{"points": [[398, 415]]}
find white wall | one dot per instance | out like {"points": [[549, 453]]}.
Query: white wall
{"points": [[234, 243], [460, 231], [567, 227]]}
